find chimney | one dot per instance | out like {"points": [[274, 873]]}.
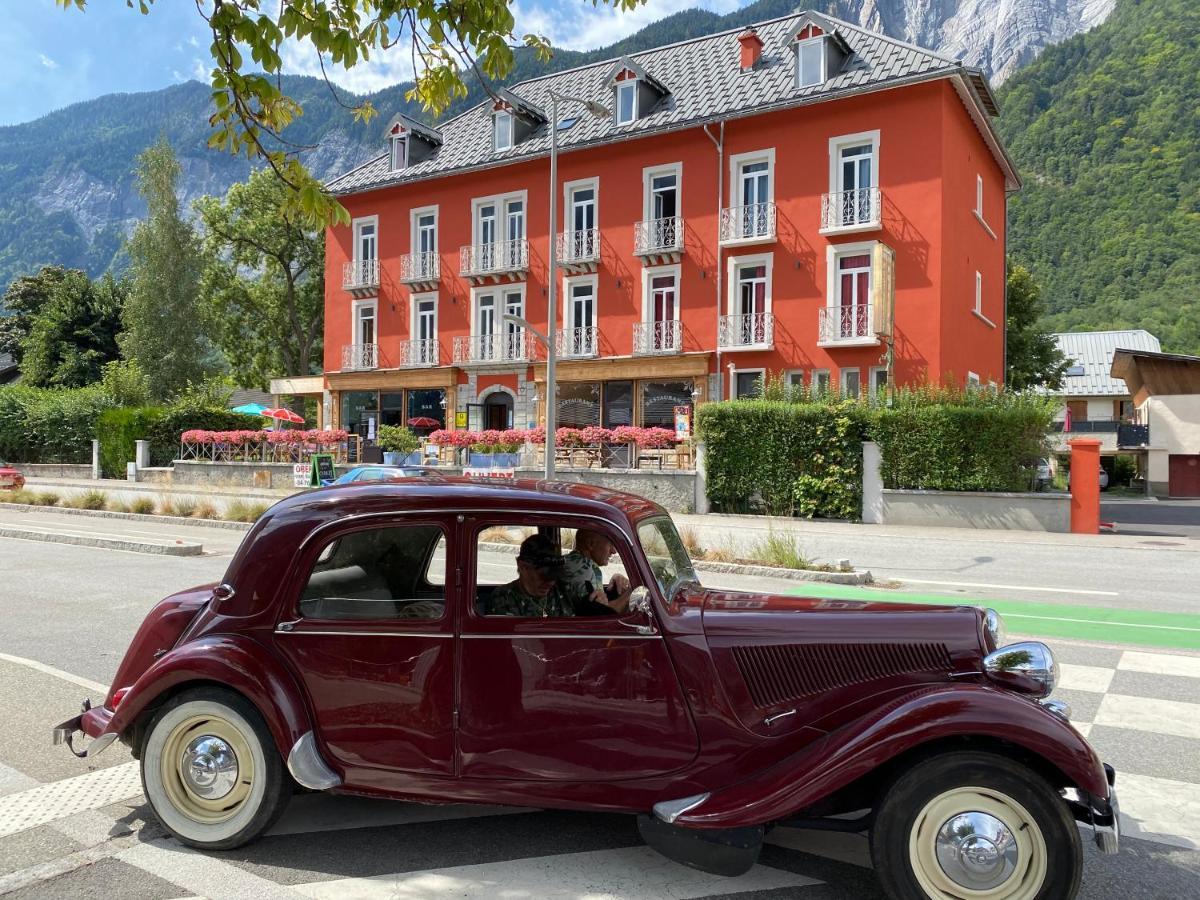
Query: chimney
{"points": [[751, 45]]}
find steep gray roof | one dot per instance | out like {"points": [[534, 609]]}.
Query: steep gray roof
{"points": [[1092, 351], [704, 81]]}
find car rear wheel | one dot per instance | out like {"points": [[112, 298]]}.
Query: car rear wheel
{"points": [[211, 771], [975, 825]]}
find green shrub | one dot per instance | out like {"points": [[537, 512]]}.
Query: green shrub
{"points": [[163, 432], [118, 431], [1124, 470], [185, 506], [142, 506], [398, 439], [781, 550], [49, 425], [45, 498], [89, 500]]}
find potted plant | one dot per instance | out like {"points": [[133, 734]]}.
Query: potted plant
{"points": [[398, 445]]}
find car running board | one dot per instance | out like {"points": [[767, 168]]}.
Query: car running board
{"points": [[717, 851]]}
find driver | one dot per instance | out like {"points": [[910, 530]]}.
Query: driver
{"points": [[582, 583], [532, 593]]}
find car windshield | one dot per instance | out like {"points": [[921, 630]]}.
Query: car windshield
{"points": [[668, 558]]}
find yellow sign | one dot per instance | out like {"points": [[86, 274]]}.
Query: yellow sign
{"points": [[884, 289], [460, 420]]}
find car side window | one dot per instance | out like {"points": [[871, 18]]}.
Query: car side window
{"points": [[395, 572]]}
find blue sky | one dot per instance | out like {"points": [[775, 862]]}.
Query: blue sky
{"points": [[51, 57]]}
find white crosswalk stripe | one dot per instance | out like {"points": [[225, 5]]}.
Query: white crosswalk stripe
{"points": [[1151, 715]]}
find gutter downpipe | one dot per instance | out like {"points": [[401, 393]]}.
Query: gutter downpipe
{"points": [[719, 143]]}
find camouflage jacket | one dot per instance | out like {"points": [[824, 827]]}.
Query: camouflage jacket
{"points": [[510, 600]]}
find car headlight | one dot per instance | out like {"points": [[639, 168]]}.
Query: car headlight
{"points": [[1028, 667], [994, 626]]}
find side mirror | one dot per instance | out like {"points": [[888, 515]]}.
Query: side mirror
{"points": [[222, 592]]}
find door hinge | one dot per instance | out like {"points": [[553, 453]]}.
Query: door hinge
{"points": [[455, 720]]}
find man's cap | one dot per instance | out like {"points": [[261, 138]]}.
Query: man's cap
{"points": [[539, 551]]}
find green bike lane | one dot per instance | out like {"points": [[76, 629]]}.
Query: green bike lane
{"points": [[1176, 631]]}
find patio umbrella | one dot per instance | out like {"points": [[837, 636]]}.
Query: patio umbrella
{"points": [[282, 415], [423, 422], [250, 409]]}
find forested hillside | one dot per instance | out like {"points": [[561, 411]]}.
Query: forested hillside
{"points": [[1106, 131]]}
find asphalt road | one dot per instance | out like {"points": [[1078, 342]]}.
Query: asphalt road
{"points": [[69, 612], [1169, 518]]}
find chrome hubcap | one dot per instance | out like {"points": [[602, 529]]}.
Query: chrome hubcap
{"points": [[976, 851], [210, 767]]}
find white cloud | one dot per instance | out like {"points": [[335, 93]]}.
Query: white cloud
{"points": [[194, 41], [202, 70], [383, 69], [47, 61], [603, 25]]}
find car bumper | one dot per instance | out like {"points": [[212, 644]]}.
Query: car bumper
{"points": [[1106, 816], [92, 721]]}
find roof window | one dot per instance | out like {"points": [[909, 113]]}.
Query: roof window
{"points": [[513, 120], [502, 129], [820, 51], [409, 142], [636, 92]]}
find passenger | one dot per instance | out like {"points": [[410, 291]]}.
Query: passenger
{"points": [[532, 593], [582, 583]]}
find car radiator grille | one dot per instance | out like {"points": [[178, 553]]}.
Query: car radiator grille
{"points": [[781, 672]]}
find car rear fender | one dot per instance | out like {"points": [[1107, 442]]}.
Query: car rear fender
{"points": [[233, 661], [861, 747]]}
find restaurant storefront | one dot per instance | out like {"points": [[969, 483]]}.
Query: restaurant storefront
{"points": [[422, 400]]}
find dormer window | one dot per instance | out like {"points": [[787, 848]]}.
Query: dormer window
{"points": [[810, 62], [820, 50], [399, 158], [410, 142], [626, 102], [503, 130]]}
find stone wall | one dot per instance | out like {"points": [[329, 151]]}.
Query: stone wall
{"points": [[53, 470], [277, 476], [673, 489], [964, 509]]}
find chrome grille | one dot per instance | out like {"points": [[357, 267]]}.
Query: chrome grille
{"points": [[777, 673]]}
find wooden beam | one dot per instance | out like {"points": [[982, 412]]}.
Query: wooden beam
{"points": [[627, 368], [389, 379]]}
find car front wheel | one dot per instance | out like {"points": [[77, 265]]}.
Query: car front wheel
{"points": [[211, 771], [975, 825]]}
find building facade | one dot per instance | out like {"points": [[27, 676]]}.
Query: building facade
{"points": [[1165, 389], [799, 198]]}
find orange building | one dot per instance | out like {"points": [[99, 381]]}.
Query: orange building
{"points": [[803, 197]]}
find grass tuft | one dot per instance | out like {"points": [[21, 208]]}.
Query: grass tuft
{"points": [[143, 506], [16, 495], [185, 506], [780, 550], [691, 542], [90, 500], [45, 498], [205, 510], [166, 506]]}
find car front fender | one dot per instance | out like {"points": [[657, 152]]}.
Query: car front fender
{"points": [[238, 663], [862, 746]]}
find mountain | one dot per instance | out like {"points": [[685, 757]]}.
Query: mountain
{"points": [[67, 190], [1106, 133]]}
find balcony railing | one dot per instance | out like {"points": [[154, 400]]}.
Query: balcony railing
{"points": [[576, 247], [1130, 434], [578, 343], [755, 330], [1095, 425], [657, 337], [418, 268], [846, 325], [845, 210], [360, 273], [748, 224], [360, 357], [658, 236], [494, 259], [491, 349], [420, 352]]}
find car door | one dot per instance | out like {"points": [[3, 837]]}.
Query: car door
{"points": [[370, 634], [561, 699]]}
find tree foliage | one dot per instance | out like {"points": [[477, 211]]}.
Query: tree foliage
{"points": [[74, 334], [163, 322], [24, 300], [1033, 357], [263, 283]]}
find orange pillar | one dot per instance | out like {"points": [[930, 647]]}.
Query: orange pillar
{"points": [[1085, 485]]}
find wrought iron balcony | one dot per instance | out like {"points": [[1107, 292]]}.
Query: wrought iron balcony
{"points": [[579, 250], [657, 337], [752, 331], [360, 357], [578, 343], [419, 353], [857, 210], [658, 237], [1094, 425], [1130, 434], [751, 224], [360, 275], [500, 258], [419, 268], [848, 325], [491, 349]]}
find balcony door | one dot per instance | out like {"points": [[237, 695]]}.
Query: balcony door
{"points": [[583, 220], [425, 243], [514, 234], [364, 349], [755, 181], [751, 304], [514, 334], [485, 326], [856, 165], [664, 308], [486, 235], [854, 295], [365, 243], [425, 331], [581, 317], [664, 208]]}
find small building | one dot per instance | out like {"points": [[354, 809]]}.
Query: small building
{"points": [[1096, 402], [1165, 389]]}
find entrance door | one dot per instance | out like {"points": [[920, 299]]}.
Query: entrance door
{"points": [[580, 698], [369, 636], [1183, 474], [498, 412]]}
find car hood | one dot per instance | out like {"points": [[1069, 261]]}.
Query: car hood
{"points": [[828, 660]]}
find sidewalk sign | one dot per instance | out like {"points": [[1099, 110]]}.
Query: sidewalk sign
{"points": [[683, 423], [322, 469], [301, 473]]}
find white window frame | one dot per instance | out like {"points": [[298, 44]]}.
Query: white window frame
{"points": [[842, 373], [833, 253], [356, 309], [506, 116], [737, 262], [392, 161], [356, 226], [569, 189], [978, 293], [417, 300], [476, 293], [794, 379], [648, 276], [818, 40], [414, 232], [875, 370], [836, 144], [973, 382], [815, 377], [978, 211], [568, 313], [632, 85], [501, 202], [649, 173], [761, 372], [738, 160]]}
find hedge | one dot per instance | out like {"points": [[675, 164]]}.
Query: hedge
{"points": [[118, 431], [49, 425]]}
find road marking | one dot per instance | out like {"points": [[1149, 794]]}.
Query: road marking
{"points": [[100, 689], [56, 868], [204, 876], [47, 802], [630, 873], [1095, 679], [1149, 714], [1009, 587], [1158, 809], [1160, 664], [1106, 622]]}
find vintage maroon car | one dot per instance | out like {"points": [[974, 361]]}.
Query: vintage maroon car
{"points": [[350, 649], [10, 477]]}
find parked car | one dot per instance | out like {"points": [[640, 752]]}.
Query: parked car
{"points": [[383, 473], [1044, 475], [1103, 479], [10, 478], [352, 647]]}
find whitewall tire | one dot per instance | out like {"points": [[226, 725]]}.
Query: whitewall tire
{"points": [[211, 771]]}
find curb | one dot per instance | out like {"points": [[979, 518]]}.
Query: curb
{"points": [[134, 517], [81, 540]]}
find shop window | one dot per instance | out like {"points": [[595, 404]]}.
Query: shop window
{"points": [[659, 399], [426, 410], [618, 403], [578, 404]]}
